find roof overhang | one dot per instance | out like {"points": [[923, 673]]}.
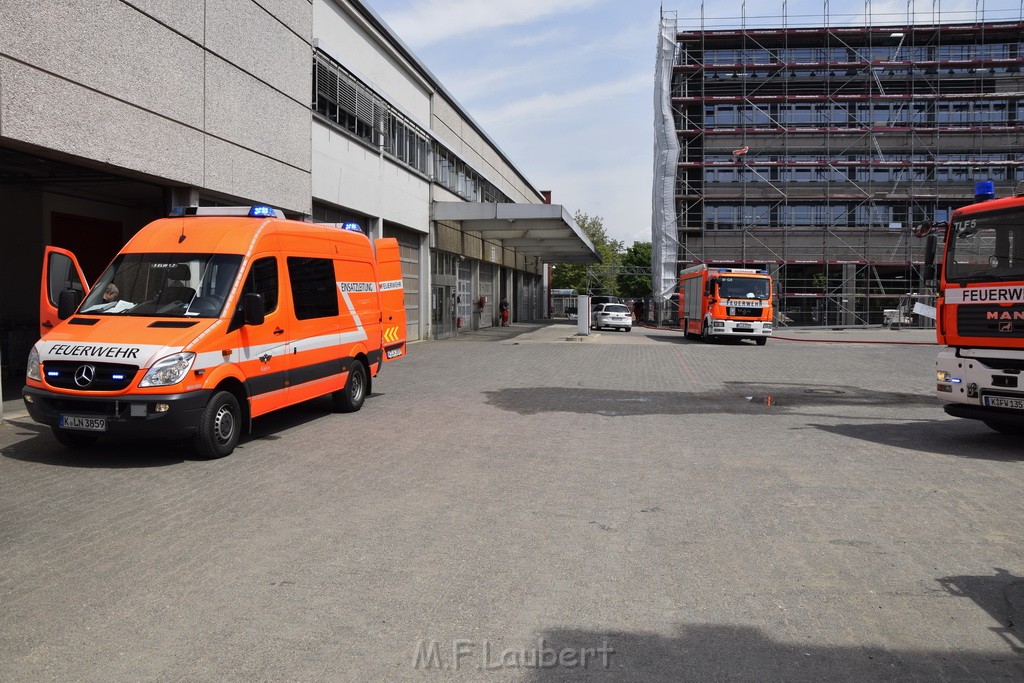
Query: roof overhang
{"points": [[546, 231]]}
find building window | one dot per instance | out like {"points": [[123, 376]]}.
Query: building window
{"points": [[349, 104], [455, 175], [343, 100]]}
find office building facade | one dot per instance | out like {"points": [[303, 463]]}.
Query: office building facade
{"points": [[814, 151]]}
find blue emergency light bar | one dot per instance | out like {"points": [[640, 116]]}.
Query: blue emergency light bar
{"points": [[255, 211], [352, 227]]}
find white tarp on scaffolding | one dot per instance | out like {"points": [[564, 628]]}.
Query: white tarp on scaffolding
{"points": [[664, 232]]}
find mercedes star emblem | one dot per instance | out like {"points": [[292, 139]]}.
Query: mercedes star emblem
{"points": [[84, 375]]}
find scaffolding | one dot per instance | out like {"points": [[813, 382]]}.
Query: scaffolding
{"points": [[812, 145]]}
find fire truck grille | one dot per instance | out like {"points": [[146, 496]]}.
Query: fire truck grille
{"points": [[997, 322], [82, 376]]}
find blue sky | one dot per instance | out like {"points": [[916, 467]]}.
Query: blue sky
{"points": [[566, 87]]}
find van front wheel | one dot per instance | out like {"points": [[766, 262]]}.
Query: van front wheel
{"points": [[219, 426], [350, 399]]}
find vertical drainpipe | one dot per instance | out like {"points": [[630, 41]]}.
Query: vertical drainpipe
{"points": [[546, 284]]}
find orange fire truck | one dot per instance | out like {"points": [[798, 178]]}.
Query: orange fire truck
{"points": [[726, 302], [980, 309]]}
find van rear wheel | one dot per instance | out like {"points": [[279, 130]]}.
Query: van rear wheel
{"points": [[350, 399], [219, 426]]}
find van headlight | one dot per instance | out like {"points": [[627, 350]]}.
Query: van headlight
{"points": [[32, 369], [169, 370]]}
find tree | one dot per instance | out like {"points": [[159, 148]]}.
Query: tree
{"points": [[574, 275], [632, 285]]}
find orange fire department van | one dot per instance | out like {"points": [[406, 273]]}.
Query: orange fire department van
{"points": [[208, 319]]}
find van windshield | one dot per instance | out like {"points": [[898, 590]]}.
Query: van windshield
{"points": [[164, 285]]}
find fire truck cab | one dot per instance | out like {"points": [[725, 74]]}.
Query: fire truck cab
{"points": [[980, 310], [718, 303]]}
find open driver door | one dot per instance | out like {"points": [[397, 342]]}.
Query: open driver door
{"points": [[60, 272], [392, 298]]}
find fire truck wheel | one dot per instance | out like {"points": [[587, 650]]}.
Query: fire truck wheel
{"points": [[350, 399], [1010, 428], [219, 426], [74, 439], [761, 341], [706, 334]]}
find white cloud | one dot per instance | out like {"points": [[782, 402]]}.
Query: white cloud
{"points": [[545, 104], [432, 21]]}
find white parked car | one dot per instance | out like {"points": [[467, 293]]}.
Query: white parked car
{"points": [[611, 315]]}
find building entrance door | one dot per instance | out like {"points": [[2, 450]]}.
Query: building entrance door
{"points": [[442, 311]]}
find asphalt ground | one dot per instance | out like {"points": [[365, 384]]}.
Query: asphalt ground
{"points": [[519, 502]]}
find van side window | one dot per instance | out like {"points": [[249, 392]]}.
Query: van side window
{"points": [[262, 279], [314, 290]]}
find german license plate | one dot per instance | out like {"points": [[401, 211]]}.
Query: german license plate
{"points": [[744, 327], [88, 424], [1004, 402]]}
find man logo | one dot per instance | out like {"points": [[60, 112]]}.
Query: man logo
{"points": [[84, 375], [1006, 327]]}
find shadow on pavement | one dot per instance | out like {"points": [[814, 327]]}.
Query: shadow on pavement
{"points": [[41, 447], [678, 338], [700, 652], [500, 333], [960, 438], [37, 443], [1001, 595]]}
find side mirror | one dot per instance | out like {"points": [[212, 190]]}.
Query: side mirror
{"points": [[252, 309], [931, 244], [67, 302]]}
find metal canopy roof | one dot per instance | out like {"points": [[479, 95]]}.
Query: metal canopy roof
{"points": [[546, 231]]}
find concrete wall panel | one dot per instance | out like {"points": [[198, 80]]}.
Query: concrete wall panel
{"points": [[244, 34], [297, 15], [40, 109], [243, 110], [183, 16], [348, 174], [240, 172], [449, 238], [138, 60]]}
